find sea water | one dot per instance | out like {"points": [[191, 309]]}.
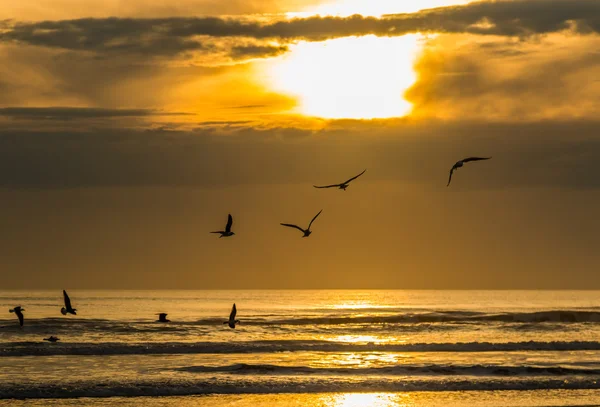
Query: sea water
{"points": [[302, 348]]}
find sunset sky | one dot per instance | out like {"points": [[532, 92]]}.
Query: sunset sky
{"points": [[130, 129]]}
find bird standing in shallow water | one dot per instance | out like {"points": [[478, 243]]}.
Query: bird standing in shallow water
{"points": [[162, 317], [19, 313], [306, 232], [462, 162], [343, 185], [232, 321], [67, 309], [227, 232], [52, 339]]}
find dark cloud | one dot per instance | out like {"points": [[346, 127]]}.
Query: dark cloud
{"points": [[73, 113], [551, 154], [257, 51], [168, 36]]}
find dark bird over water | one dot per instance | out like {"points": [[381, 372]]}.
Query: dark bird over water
{"points": [[52, 339], [306, 232], [343, 185], [67, 309], [162, 317], [462, 162], [19, 312], [232, 321], [227, 232]]}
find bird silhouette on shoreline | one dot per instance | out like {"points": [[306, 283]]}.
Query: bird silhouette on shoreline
{"points": [[162, 317], [461, 163], [67, 309], [52, 339], [343, 185], [19, 313], [227, 232], [306, 231], [232, 321]]}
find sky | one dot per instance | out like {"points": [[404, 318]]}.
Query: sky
{"points": [[129, 129]]}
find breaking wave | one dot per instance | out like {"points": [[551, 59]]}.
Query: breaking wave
{"points": [[160, 348], [283, 384]]}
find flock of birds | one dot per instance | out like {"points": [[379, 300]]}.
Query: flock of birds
{"points": [[68, 309], [231, 322], [343, 185]]}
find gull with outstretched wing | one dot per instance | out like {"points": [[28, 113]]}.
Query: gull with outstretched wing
{"points": [[67, 309], [227, 232], [306, 231], [343, 185], [232, 321], [461, 163], [19, 313]]}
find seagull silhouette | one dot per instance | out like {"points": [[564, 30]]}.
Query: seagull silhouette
{"points": [[162, 317], [343, 185], [52, 339], [227, 232], [462, 162], [306, 232], [19, 312], [232, 321], [67, 309]]}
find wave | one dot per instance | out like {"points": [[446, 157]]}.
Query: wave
{"points": [[402, 370], [279, 385], [562, 316], [557, 316], [175, 348]]}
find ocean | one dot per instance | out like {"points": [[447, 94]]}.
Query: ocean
{"points": [[322, 348]]}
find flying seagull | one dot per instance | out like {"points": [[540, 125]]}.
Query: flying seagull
{"points": [[462, 162], [19, 312], [306, 232], [343, 185], [67, 309], [227, 232], [162, 317], [232, 321], [52, 339]]}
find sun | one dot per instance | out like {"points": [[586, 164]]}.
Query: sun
{"points": [[352, 77]]}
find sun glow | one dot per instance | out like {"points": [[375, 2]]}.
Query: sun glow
{"points": [[373, 8], [353, 77]]}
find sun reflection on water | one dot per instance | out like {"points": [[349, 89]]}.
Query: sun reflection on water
{"points": [[369, 400]]}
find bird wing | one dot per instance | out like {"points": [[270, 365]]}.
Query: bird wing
{"points": [[20, 315], [67, 300], [229, 223], [353, 178], [466, 160], [313, 219], [233, 312], [292, 226], [327, 186], [450, 177]]}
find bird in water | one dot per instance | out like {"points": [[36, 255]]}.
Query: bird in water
{"points": [[343, 185], [227, 232], [52, 339], [67, 309], [306, 232], [162, 317], [462, 162], [19, 312], [232, 321]]}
